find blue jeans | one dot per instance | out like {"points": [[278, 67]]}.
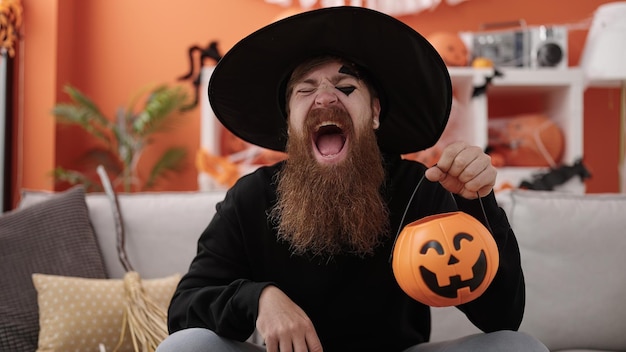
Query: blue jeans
{"points": [[203, 340]]}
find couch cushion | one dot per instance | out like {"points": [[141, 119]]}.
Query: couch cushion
{"points": [[82, 314], [162, 228], [52, 237], [572, 249]]}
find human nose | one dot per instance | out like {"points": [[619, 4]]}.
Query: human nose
{"points": [[325, 96]]}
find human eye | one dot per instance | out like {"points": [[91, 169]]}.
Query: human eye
{"points": [[304, 89]]}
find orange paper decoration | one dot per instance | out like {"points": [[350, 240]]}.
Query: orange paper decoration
{"points": [[222, 170]]}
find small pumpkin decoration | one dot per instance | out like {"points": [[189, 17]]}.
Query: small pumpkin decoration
{"points": [[450, 47], [445, 259], [526, 140]]}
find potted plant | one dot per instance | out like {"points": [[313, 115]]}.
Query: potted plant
{"points": [[122, 140]]}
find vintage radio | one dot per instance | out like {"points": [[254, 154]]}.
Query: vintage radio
{"points": [[523, 46]]}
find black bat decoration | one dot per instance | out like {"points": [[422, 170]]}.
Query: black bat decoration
{"points": [[480, 90], [556, 176]]}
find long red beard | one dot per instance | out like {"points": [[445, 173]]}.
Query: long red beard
{"points": [[330, 209]]}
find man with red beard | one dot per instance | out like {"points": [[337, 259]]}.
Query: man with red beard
{"points": [[300, 250]]}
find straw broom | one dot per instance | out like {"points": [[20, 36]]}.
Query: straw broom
{"points": [[146, 321]]}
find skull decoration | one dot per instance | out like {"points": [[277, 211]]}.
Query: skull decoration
{"points": [[445, 259]]}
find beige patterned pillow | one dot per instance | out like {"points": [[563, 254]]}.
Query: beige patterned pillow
{"points": [[80, 314]]}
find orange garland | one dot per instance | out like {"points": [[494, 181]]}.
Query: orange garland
{"points": [[10, 22], [222, 170]]}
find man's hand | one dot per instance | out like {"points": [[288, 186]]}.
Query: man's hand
{"points": [[285, 326], [464, 170]]}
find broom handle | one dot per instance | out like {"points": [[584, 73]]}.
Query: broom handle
{"points": [[117, 216]]}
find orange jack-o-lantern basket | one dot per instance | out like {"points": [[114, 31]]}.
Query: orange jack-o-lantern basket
{"points": [[445, 259]]}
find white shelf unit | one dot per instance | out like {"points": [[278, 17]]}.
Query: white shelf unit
{"points": [[560, 92]]}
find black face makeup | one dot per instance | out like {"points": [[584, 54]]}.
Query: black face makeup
{"points": [[348, 71], [346, 90]]}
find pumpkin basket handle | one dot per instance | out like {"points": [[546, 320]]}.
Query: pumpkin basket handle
{"points": [[406, 210]]}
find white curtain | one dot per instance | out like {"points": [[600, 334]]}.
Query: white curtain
{"points": [[4, 58], [390, 7]]}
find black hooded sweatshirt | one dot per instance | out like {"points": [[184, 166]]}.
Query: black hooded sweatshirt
{"points": [[354, 302]]}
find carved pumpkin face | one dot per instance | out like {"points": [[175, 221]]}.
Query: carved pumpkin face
{"points": [[445, 259]]}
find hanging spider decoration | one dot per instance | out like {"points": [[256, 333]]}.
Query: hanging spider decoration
{"points": [[210, 52]]}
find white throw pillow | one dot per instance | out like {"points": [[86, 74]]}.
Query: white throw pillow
{"points": [[573, 250], [162, 228], [573, 256]]}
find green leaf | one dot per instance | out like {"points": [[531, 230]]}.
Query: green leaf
{"points": [[83, 101], [84, 114], [73, 178], [125, 136], [172, 161], [163, 104]]}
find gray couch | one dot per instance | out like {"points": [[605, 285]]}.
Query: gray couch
{"points": [[573, 252]]}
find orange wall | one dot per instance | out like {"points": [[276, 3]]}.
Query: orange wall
{"points": [[33, 154], [112, 49]]}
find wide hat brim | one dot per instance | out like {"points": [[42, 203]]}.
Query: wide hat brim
{"points": [[246, 89]]}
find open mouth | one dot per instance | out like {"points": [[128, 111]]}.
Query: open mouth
{"points": [[329, 140]]}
